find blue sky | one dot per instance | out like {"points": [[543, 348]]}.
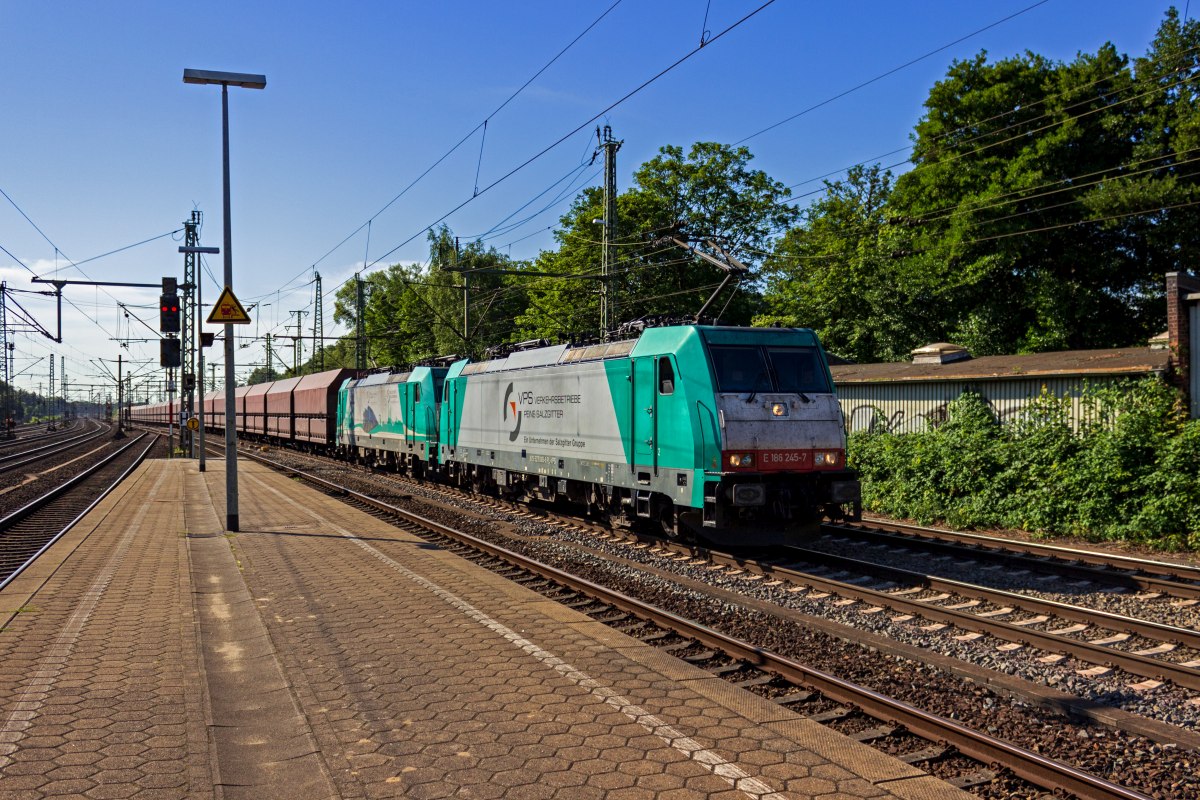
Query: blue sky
{"points": [[103, 145]]}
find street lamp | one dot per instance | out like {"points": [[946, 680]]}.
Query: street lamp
{"points": [[225, 80]]}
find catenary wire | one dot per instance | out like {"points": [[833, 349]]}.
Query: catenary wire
{"points": [[470, 133], [892, 71], [580, 127]]}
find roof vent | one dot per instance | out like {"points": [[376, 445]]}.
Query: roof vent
{"points": [[1161, 342], [940, 353]]}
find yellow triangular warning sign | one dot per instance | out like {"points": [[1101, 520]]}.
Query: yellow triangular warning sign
{"points": [[227, 310]]}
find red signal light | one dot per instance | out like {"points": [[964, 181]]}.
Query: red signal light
{"points": [[168, 305]]}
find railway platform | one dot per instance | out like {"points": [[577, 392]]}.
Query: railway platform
{"points": [[322, 653]]}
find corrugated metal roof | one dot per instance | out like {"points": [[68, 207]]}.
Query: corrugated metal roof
{"points": [[1131, 361]]}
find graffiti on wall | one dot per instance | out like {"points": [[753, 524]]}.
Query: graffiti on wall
{"points": [[917, 416]]}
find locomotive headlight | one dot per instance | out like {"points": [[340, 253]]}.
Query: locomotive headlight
{"points": [[742, 460], [826, 459], [779, 410]]}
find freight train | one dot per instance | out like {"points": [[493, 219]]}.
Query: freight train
{"points": [[730, 434]]}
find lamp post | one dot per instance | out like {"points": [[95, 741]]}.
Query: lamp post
{"points": [[246, 81]]}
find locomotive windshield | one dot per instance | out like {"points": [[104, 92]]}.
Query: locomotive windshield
{"points": [[740, 368]]}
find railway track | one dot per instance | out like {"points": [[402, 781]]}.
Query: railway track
{"points": [[1153, 651], [979, 609], [1112, 569], [37, 433], [35, 455], [1019, 619], [749, 665], [30, 530]]}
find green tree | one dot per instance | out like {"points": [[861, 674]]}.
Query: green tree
{"points": [[559, 307], [496, 297], [836, 273], [711, 192], [412, 312], [1041, 210]]}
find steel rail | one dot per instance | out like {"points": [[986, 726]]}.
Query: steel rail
{"points": [[23, 512], [1100, 567], [1034, 767], [1092, 616], [136, 462], [11, 462], [1132, 663], [9, 444]]}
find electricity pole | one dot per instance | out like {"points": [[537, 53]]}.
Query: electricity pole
{"points": [[319, 325], [193, 251], [360, 325], [4, 349], [189, 319], [608, 297], [298, 341], [120, 397]]}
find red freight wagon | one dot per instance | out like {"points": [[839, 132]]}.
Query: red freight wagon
{"points": [[239, 406], [256, 408], [210, 409], [315, 405], [280, 409]]}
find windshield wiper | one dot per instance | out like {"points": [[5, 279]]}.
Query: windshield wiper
{"points": [[754, 391]]}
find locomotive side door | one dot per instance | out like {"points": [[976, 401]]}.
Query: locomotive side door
{"points": [[410, 392], [448, 433], [643, 421]]}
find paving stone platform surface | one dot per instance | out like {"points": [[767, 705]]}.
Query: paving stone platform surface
{"points": [[320, 653]]}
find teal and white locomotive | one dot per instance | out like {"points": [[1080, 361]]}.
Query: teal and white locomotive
{"points": [[389, 419], [732, 433]]}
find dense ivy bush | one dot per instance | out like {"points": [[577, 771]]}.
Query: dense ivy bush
{"points": [[1130, 472]]}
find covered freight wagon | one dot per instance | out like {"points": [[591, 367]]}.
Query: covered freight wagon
{"points": [[255, 409], [280, 409], [314, 404], [239, 406]]}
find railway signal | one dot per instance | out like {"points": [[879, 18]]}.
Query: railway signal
{"points": [[168, 353], [168, 313]]}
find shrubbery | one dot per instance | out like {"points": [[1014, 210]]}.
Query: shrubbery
{"points": [[1131, 472]]}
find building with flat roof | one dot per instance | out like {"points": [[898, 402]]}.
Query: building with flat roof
{"points": [[913, 395]]}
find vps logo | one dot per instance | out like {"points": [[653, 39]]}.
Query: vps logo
{"points": [[512, 417]]}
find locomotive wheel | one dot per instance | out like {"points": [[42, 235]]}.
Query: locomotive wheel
{"points": [[668, 522]]}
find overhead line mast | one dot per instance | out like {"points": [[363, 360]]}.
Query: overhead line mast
{"points": [[608, 298], [5, 348], [319, 325], [188, 313]]}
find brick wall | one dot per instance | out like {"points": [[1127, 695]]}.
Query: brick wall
{"points": [[1179, 285]]}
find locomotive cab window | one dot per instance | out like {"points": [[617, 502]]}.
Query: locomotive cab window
{"points": [[416, 392], [797, 369], [666, 376], [740, 369]]}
